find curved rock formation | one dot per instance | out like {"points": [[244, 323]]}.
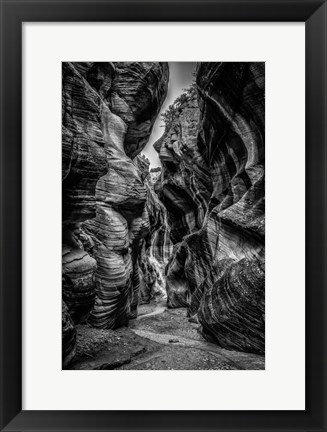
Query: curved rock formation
{"points": [[107, 117], [83, 163], [131, 101], [186, 184], [83, 156], [215, 199], [68, 337], [157, 247], [193, 231], [78, 283]]}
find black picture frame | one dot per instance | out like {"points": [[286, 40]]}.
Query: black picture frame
{"points": [[13, 14]]}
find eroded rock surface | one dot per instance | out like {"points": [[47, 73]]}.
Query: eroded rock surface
{"points": [[213, 188], [68, 337], [156, 248], [191, 233], [185, 186], [108, 113]]}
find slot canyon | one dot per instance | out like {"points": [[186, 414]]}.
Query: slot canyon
{"points": [[163, 267]]}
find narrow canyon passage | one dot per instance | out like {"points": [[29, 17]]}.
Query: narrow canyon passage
{"points": [[163, 267], [159, 339]]}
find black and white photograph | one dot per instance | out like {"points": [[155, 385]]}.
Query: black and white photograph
{"points": [[163, 216]]}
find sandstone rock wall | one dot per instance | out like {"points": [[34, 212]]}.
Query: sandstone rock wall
{"points": [[203, 214], [68, 337], [157, 248], [185, 186], [108, 113], [213, 189]]}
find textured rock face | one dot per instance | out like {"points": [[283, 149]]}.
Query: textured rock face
{"points": [[121, 221], [156, 248], [155, 175], [107, 116], [136, 97], [83, 155], [83, 163], [68, 337], [215, 200], [132, 91], [202, 214], [131, 101], [186, 185], [78, 283]]}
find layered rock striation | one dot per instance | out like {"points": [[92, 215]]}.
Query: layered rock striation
{"points": [[68, 337], [192, 232], [213, 189], [157, 245], [108, 113], [185, 186]]}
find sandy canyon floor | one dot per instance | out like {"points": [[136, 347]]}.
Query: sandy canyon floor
{"points": [[159, 339]]}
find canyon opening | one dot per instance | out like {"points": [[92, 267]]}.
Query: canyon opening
{"points": [[163, 216]]}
